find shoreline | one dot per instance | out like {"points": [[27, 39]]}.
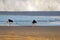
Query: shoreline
{"points": [[29, 26]]}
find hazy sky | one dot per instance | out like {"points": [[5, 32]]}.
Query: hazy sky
{"points": [[29, 5]]}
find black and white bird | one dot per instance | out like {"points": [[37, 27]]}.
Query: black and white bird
{"points": [[10, 21], [34, 21]]}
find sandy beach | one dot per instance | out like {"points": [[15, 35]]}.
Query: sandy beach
{"points": [[29, 33]]}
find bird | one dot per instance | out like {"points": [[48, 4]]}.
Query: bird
{"points": [[34, 21], [10, 21]]}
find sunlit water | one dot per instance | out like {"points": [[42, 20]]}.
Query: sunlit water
{"points": [[21, 20]]}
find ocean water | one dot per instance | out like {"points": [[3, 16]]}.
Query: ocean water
{"points": [[22, 20]]}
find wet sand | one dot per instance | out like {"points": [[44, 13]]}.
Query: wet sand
{"points": [[30, 33]]}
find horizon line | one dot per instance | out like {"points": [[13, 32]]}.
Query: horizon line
{"points": [[31, 13]]}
